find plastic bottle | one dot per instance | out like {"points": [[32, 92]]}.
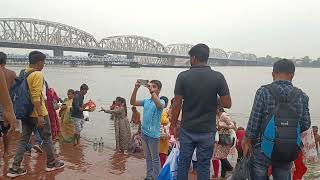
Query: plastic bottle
{"points": [[101, 142], [95, 142]]}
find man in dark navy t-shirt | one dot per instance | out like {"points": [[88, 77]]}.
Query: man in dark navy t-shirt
{"points": [[197, 89]]}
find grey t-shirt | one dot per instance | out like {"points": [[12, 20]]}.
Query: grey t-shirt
{"points": [[76, 105], [199, 87]]}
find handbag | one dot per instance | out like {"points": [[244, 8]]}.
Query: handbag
{"points": [[225, 139]]}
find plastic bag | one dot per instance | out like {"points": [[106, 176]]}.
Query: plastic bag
{"points": [[309, 146], [170, 167], [242, 170]]}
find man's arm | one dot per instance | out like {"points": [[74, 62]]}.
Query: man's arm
{"points": [[155, 98], [133, 99], [225, 101], [255, 120], [305, 122], [177, 101], [176, 109], [6, 103], [223, 92]]}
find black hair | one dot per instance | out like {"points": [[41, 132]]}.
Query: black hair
{"points": [[314, 127], [157, 82], [36, 56], [84, 87], [71, 91], [166, 100], [3, 58], [200, 52], [284, 66]]}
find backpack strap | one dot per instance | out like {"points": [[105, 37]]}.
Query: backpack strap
{"points": [[275, 93], [25, 74], [294, 95]]}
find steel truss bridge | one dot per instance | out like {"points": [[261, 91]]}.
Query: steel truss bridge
{"points": [[39, 34]]}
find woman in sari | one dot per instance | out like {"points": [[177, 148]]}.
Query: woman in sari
{"points": [[121, 124], [52, 106], [67, 125], [225, 127]]}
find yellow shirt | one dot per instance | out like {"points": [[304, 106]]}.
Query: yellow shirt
{"points": [[164, 142], [36, 82]]}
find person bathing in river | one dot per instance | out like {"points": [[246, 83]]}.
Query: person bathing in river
{"points": [[77, 111], [67, 126], [121, 124]]}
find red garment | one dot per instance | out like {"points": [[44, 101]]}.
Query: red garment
{"points": [[216, 165], [240, 135], [54, 121], [163, 158], [269, 171], [300, 169]]}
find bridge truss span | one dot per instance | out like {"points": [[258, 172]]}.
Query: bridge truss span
{"points": [[132, 43], [33, 31]]}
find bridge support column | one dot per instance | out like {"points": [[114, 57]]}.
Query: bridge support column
{"points": [[172, 61], [58, 52], [130, 56]]}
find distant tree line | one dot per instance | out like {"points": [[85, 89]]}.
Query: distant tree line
{"points": [[303, 62]]}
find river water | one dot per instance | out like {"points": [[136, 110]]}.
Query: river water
{"points": [[107, 83]]}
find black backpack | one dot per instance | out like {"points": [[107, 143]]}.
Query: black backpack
{"points": [[280, 137]]}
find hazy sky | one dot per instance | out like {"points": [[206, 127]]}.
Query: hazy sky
{"points": [[284, 28]]}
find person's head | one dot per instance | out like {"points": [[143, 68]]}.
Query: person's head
{"points": [[199, 54], [3, 59], [166, 101], [155, 86], [84, 89], [315, 129], [70, 93], [122, 102], [283, 69], [37, 60], [134, 109], [240, 128], [220, 110]]}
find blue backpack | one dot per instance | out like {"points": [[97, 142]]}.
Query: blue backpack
{"points": [[20, 96], [280, 137]]}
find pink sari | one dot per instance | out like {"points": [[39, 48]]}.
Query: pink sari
{"points": [[55, 127]]}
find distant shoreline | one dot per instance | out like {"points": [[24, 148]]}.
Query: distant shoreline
{"points": [[153, 66]]}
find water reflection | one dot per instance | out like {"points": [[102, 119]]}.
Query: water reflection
{"points": [[118, 163]]}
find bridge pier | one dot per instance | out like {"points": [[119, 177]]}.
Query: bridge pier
{"points": [[107, 64], [130, 56], [172, 61], [58, 52]]}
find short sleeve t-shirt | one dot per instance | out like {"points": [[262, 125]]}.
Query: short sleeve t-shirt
{"points": [[76, 105], [199, 87], [151, 118]]}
